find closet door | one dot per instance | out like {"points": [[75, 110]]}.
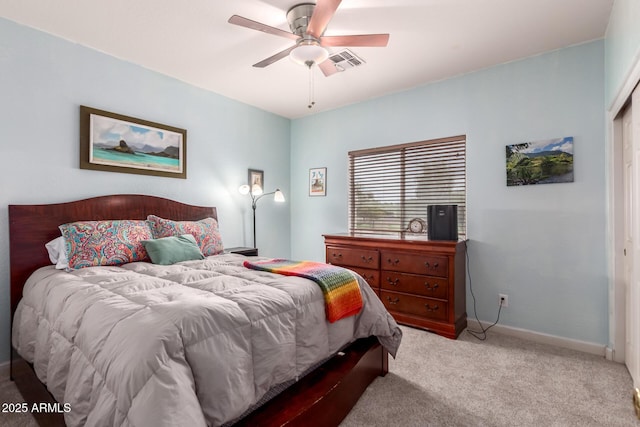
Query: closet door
{"points": [[631, 160]]}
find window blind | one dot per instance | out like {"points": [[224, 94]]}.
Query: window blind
{"points": [[390, 186]]}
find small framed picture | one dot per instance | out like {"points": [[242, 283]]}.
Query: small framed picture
{"points": [[256, 177], [318, 182]]}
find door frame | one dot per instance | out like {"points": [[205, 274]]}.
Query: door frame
{"points": [[615, 211]]}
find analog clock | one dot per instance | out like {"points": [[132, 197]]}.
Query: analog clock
{"points": [[417, 225]]}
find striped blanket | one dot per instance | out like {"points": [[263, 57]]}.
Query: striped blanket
{"points": [[340, 288]]}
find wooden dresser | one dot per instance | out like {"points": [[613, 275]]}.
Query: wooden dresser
{"points": [[421, 282]]}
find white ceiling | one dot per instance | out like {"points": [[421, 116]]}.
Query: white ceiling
{"points": [[430, 40]]}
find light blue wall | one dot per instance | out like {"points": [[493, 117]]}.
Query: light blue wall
{"points": [[542, 245], [44, 80], [622, 45]]}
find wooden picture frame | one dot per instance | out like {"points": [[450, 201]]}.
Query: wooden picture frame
{"points": [[256, 177], [117, 143], [318, 182]]}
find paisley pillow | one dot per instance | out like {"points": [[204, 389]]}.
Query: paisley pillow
{"points": [[108, 242], [205, 231]]}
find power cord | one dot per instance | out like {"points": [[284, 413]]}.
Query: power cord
{"points": [[482, 334]]}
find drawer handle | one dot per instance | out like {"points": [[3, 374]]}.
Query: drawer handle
{"points": [[393, 262], [429, 308], [369, 279], [393, 282], [431, 287], [434, 266], [365, 259], [393, 301], [336, 255]]}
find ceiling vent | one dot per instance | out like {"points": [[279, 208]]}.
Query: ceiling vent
{"points": [[345, 59]]}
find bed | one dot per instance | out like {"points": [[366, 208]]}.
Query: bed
{"points": [[316, 387]]}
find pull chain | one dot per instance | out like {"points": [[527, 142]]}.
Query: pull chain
{"points": [[311, 85]]}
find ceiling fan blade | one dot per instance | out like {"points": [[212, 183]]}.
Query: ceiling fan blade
{"points": [[327, 67], [322, 14], [278, 56], [254, 25], [365, 40]]}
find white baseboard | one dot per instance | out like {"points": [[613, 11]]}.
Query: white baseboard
{"points": [[610, 355], [584, 346]]}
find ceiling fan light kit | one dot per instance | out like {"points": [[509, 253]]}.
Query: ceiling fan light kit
{"points": [[308, 52]]}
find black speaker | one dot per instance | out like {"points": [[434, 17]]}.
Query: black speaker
{"points": [[442, 222]]}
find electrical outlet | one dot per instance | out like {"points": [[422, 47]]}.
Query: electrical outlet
{"points": [[503, 300]]}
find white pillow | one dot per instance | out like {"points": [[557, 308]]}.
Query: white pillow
{"points": [[58, 253]]}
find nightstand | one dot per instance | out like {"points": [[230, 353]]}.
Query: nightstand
{"points": [[240, 250]]}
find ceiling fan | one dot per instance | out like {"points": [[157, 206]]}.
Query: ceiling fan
{"points": [[308, 22]]}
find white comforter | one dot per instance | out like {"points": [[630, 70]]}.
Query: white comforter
{"points": [[191, 344]]}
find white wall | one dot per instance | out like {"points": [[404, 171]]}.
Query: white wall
{"points": [[43, 82], [543, 245]]}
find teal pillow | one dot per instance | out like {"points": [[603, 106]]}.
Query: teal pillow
{"points": [[169, 250]]}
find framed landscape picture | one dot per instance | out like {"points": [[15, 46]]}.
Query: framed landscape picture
{"points": [[318, 182], [116, 143], [548, 161]]}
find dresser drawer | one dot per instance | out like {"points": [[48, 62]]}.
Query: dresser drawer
{"points": [[431, 265], [432, 287], [353, 257], [371, 276], [420, 306]]}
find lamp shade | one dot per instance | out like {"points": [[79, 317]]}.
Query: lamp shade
{"points": [[278, 196], [309, 52], [256, 190], [244, 189]]}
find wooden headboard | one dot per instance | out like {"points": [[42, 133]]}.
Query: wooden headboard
{"points": [[32, 226]]}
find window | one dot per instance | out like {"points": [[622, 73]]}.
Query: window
{"points": [[390, 186]]}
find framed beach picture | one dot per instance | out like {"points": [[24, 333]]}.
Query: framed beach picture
{"points": [[548, 161], [116, 143], [318, 182]]}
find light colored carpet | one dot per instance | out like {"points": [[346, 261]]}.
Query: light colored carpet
{"points": [[503, 381], [10, 394]]}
